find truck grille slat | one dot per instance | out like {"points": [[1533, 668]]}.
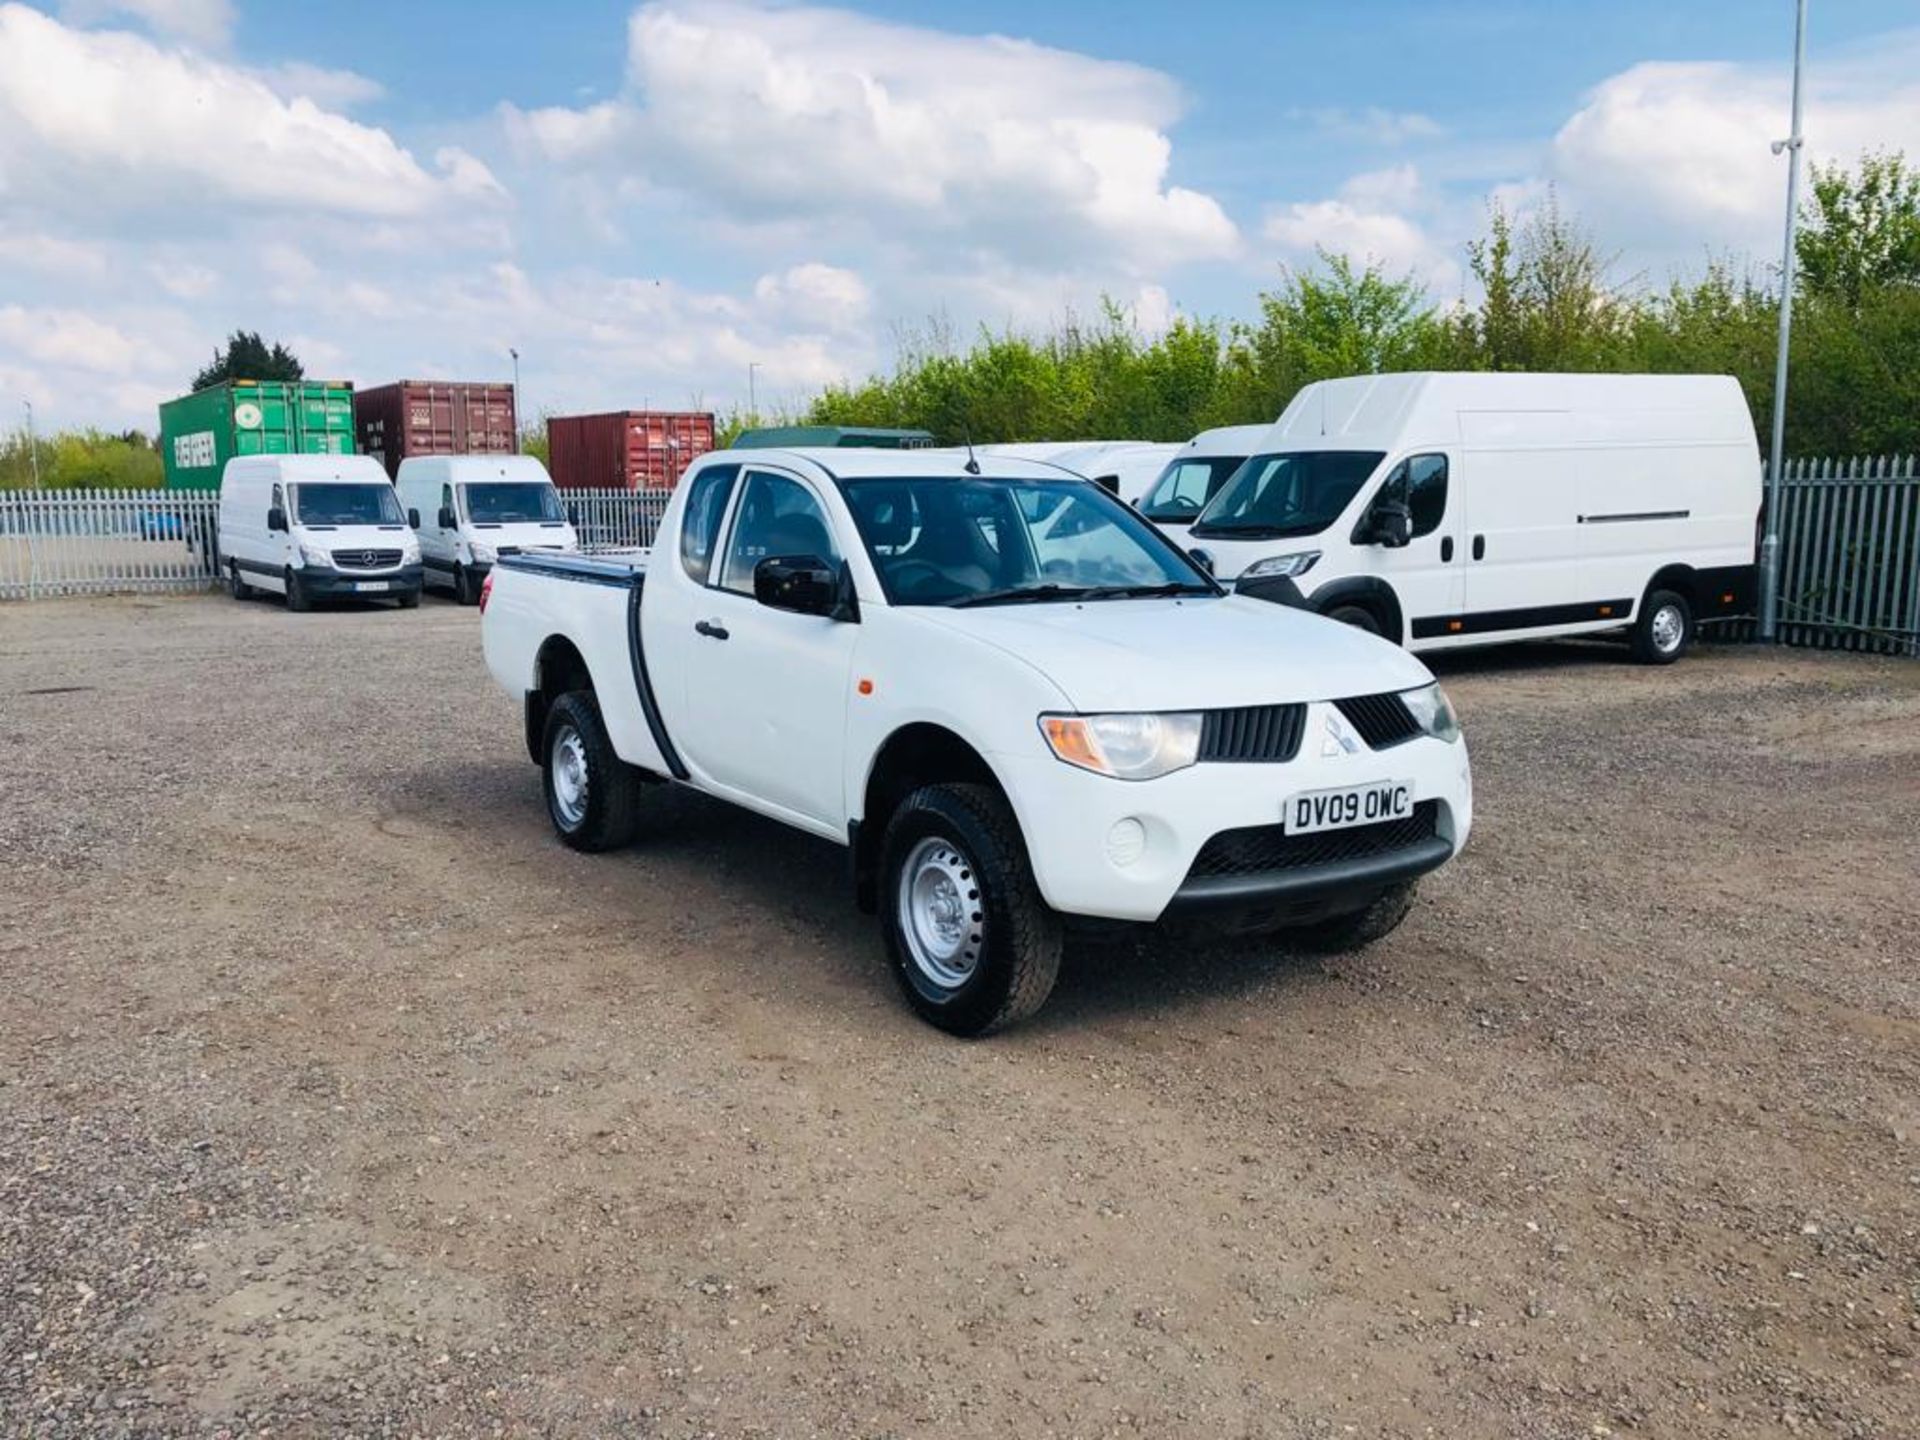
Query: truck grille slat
{"points": [[1261, 849], [1382, 720], [365, 559], [1252, 734]]}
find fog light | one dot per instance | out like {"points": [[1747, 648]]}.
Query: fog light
{"points": [[1126, 841]]}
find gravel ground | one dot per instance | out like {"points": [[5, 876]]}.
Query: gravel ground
{"points": [[336, 1097]]}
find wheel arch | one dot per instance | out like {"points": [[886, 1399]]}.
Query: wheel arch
{"points": [[558, 667], [1369, 592], [1683, 580], [921, 752]]}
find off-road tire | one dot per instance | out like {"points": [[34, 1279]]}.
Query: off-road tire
{"points": [[1359, 928], [1646, 648], [1021, 936], [611, 811], [298, 601]]}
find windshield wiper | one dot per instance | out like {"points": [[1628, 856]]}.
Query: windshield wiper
{"points": [[1020, 595], [1134, 592], [1207, 528]]}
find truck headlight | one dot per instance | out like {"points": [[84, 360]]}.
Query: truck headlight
{"points": [[1296, 563], [1127, 747], [314, 555], [1433, 712], [410, 553], [482, 552]]}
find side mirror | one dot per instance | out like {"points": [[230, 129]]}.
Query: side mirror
{"points": [[1391, 525], [445, 518], [276, 519], [413, 517], [1202, 558], [805, 584], [1108, 483]]}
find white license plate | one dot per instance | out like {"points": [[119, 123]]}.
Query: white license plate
{"points": [[373, 584], [1351, 805]]}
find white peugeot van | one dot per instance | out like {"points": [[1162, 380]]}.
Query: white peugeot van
{"points": [[1445, 510], [314, 527], [471, 509], [1195, 474], [1120, 467]]}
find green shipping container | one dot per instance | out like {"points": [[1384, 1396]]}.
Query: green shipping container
{"points": [[200, 432]]}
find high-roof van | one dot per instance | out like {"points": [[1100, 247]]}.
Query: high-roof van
{"points": [[1195, 474], [1120, 467], [314, 527], [469, 510], [1444, 510]]}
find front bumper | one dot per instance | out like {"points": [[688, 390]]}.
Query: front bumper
{"points": [[323, 581], [1068, 817]]}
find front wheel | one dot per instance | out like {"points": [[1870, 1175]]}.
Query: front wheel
{"points": [[1664, 630], [465, 592], [593, 796], [298, 600], [972, 943], [237, 587], [1358, 617], [1359, 928]]}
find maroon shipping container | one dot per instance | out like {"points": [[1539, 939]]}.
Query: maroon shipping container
{"points": [[434, 417], [627, 449]]}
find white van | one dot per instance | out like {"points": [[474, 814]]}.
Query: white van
{"points": [[1445, 510], [1195, 474], [472, 509], [313, 527], [1120, 467]]}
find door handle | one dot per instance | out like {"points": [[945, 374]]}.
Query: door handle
{"points": [[1446, 548], [1479, 547], [712, 629]]}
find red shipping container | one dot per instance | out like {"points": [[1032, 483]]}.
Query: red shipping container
{"points": [[626, 449], [434, 417]]}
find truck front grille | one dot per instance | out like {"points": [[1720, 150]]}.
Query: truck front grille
{"points": [[1262, 849], [1382, 720], [365, 559], [1252, 734]]}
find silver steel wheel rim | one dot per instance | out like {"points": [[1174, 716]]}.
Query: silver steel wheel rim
{"points": [[941, 913], [1668, 628], [570, 777]]}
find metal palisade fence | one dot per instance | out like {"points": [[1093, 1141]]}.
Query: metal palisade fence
{"points": [[1849, 530]]}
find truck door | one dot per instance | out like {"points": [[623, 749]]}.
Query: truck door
{"points": [[767, 689]]}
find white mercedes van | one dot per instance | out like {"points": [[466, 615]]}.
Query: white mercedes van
{"points": [[470, 510], [1195, 474], [314, 527], [1444, 510]]}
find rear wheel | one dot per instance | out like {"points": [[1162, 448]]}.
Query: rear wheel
{"points": [[972, 944], [1359, 928], [1357, 616], [1664, 630], [298, 600], [593, 796]]}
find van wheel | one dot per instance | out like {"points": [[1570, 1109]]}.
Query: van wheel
{"points": [[593, 796], [1357, 616], [464, 590], [1664, 630], [409, 599], [298, 600], [971, 942], [1360, 928], [237, 587]]}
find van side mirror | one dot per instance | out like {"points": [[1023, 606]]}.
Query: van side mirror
{"points": [[804, 584], [413, 517], [276, 519], [446, 518], [1391, 524], [1202, 558]]}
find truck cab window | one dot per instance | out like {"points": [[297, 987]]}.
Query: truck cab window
{"points": [[700, 525], [777, 516]]}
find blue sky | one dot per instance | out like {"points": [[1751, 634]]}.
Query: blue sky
{"points": [[645, 199]]}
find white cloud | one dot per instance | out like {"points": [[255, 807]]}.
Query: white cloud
{"points": [[821, 296], [329, 89], [51, 254], [107, 121], [1371, 124], [183, 279], [1369, 222], [69, 339], [202, 22], [1663, 150], [777, 113]]}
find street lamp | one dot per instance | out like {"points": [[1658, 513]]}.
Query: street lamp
{"points": [[33, 445], [753, 404], [1770, 546]]}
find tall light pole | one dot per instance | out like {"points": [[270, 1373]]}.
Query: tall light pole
{"points": [[753, 404], [1770, 546], [33, 445]]}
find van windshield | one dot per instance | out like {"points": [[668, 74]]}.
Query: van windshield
{"points": [[1185, 486], [341, 504], [505, 502], [1294, 493]]}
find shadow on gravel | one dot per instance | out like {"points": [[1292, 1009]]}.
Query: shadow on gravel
{"points": [[1537, 655]]}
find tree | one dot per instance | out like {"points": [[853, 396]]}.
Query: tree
{"points": [[1549, 304], [1860, 232], [248, 357]]}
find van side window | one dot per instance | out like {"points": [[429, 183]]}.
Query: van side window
{"points": [[700, 522], [446, 497], [1420, 483], [279, 501]]}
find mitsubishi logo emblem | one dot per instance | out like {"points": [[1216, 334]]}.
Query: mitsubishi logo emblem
{"points": [[1338, 741]]}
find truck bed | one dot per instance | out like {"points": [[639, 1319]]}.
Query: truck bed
{"points": [[609, 567]]}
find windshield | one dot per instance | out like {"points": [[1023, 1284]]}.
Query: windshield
{"points": [[326, 504], [1185, 486], [941, 541], [502, 502], [1298, 493]]}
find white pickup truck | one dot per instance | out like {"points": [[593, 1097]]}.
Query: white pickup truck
{"points": [[1010, 697]]}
